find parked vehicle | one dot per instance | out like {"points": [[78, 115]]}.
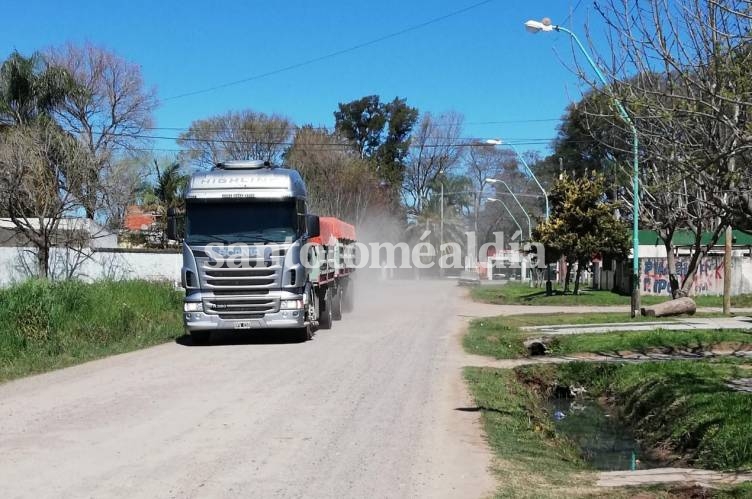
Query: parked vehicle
{"points": [[254, 258]]}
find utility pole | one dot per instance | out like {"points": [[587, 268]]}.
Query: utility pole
{"points": [[727, 270], [441, 232]]}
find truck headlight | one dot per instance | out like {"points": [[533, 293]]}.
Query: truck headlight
{"points": [[192, 306], [291, 304]]}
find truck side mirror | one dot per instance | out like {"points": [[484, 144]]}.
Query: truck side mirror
{"points": [[312, 226], [172, 224]]}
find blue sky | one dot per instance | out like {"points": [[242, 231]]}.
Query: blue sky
{"points": [[480, 63]]}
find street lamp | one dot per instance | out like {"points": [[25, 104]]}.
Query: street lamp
{"points": [[546, 26], [495, 200], [516, 222], [499, 142], [529, 223]]}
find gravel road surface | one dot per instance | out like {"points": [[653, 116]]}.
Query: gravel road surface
{"points": [[366, 409]]}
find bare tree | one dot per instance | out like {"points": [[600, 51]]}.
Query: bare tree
{"points": [[339, 181], [680, 69], [236, 135], [435, 150], [481, 163], [41, 170], [109, 113], [122, 183]]}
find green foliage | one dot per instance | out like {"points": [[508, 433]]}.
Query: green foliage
{"points": [[683, 406], [587, 141], [582, 223], [30, 88], [532, 460], [501, 337], [523, 294], [380, 132], [46, 325]]}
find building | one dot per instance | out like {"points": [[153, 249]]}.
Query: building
{"points": [[83, 232], [139, 220], [654, 272]]}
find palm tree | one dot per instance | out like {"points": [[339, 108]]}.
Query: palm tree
{"points": [[167, 193], [30, 89], [170, 186]]}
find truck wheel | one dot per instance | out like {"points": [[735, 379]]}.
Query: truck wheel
{"points": [[325, 317], [337, 304], [200, 337], [304, 334], [348, 297]]}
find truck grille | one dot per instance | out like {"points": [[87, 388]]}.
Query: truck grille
{"points": [[240, 293]]}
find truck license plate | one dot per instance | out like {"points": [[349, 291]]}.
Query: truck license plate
{"points": [[244, 324]]}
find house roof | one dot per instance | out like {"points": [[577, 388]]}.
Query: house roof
{"points": [[138, 219], [687, 238]]}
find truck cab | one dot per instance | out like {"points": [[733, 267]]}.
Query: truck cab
{"points": [[245, 225]]}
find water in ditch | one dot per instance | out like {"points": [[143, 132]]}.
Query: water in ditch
{"points": [[605, 443]]}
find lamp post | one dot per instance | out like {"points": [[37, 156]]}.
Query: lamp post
{"points": [[537, 27], [495, 200], [529, 223], [498, 142], [441, 232], [516, 222]]}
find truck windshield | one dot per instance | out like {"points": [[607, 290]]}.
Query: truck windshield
{"points": [[240, 222]]}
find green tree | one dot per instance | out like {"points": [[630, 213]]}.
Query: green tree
{"points": [[581, 225], [167, 192], [338, 181], [587, 141], [380, 132], [30, 89]]}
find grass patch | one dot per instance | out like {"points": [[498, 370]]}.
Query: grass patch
{"points": [[49, 325], [684, 407], [650, 341], [532, 461], [501, 337], [522, 294]]}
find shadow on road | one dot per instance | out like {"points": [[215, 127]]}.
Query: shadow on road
{"points": [[482, 409], [221, 338]]}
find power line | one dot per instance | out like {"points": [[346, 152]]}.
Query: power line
{"points": [[332, 129], [331, 54], [571, 12], [460, 142]]}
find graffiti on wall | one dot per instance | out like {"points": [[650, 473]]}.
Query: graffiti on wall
{"points": [[708, 279]]}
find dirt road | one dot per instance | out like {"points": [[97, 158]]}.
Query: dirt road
{"points": [[367, 409]]}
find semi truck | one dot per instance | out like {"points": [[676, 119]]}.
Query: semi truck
{"points": [[254, 258]]}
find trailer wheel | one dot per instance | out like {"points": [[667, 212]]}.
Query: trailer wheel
{"points": [[337, 304], [325, 310], [348, 297]]}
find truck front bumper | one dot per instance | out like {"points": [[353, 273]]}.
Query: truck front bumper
{"points": [[200, 321]]}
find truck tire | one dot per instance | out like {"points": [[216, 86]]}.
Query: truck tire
{"points": [[200, 337], [325, 310], [304, 334], [337, 304], [348, 297]]}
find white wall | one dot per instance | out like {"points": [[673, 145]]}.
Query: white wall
{"points": [[16, 263]]}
